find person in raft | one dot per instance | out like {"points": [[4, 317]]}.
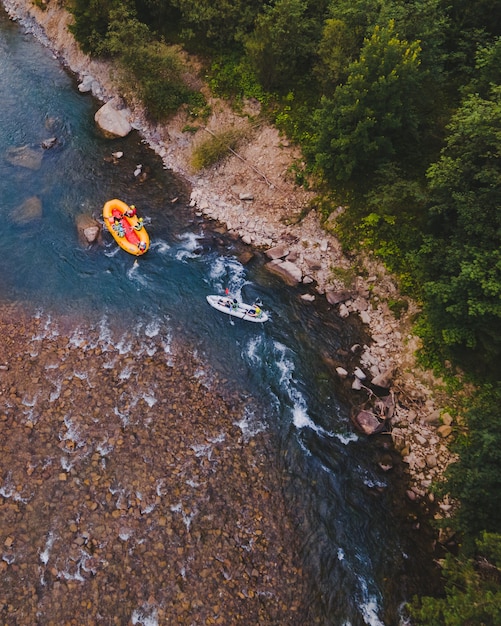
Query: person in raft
{"points": [[131, 211], [255, 311], [118, 227]]}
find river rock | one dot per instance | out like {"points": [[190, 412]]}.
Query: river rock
{"points": [[314, 264], [245, 257], [343, 311], [336, 297], [47, 144], [278, 252], [444, 431], [113, 122], [247, 196], [383, 379], [28, 211], [365, 317], [431, 461], [291, 273], [446, 419], [367, 422], [360, 304], [359, 374], [25, 156], [91, 234], [88, 228], [86, 85]]}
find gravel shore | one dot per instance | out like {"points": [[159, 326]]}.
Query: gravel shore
{"points": [[130, 491]]}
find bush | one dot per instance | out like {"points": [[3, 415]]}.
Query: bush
{"points": [[215, 148]]}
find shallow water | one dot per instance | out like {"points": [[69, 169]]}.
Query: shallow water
{"points": [[262, 396]]}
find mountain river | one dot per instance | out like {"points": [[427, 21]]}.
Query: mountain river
{"points": [[161, 462]]}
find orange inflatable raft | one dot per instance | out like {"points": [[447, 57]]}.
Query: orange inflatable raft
{"points": [[125, 226]]}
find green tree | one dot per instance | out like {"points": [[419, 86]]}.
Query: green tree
{"points": [[461, 258], [472, 590], [475, 479], [336, 50], [281, 46], [126, 36], [360, 16], [154, 71], [91, 21], [220, 22], [488, 69], [162, 17], [370, 121]]}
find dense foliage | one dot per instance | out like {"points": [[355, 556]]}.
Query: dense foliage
{"points": [[397, 106], [472, 593]]}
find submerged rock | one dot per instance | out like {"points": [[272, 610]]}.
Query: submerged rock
{"points": [[89, 229], [25, 156], [30, 210]]}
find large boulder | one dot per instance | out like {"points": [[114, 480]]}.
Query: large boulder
{"points": [[290, 273], [113, 122], [89, 229], [384, 379], [367, 422], [278, 252], [336, 297]]}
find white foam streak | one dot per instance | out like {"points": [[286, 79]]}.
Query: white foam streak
{"points": [[133, 274], [250, 425], [300, 416], [8, 490], [346, 438], [152, 329], [189, 242], [149, 398], [202, 450], [125, 373], [145, 616], [45, 554], [229, 273], [55, 393], [30, 403], [368, 606], [124, 417], [160, 246], [369, 613]]}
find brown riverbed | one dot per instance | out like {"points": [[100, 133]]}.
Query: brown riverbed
{"points": [[129, 493]]}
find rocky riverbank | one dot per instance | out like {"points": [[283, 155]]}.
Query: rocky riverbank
{"points": [[253, 194], [131, 495]]}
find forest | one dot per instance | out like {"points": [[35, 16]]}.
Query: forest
{"points": [[396, 106]]}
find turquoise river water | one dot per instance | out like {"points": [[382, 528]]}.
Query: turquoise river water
{"points": [[362, 556]]}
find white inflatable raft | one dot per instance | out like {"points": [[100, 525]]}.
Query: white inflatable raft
{"points": [[248, 312]]}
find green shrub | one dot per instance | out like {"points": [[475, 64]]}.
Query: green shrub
{"points": [[398, 307], [230, 77], [215, 148]]}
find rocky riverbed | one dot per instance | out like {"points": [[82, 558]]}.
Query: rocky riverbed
{"points": [[132, 498], [253, 194]]}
